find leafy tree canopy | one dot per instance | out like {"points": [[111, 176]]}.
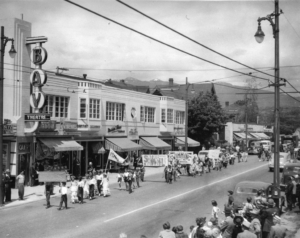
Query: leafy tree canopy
{"points": [[206, 116]]}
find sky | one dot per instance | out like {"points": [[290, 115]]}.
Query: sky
{"points": [[88, 44]]}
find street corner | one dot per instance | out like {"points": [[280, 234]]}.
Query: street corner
{"points": [[291, 220]]}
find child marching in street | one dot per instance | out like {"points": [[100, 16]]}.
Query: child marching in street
{"points": [[80, 190], [119, 179], [74, 192], [63, 198], [105, 185]]}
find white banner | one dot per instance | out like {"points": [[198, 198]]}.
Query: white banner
{"points": [[183, 157], [155, 160], [115, 157]]}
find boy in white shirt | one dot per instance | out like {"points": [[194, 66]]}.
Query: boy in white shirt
{"points": [[64, 198]]}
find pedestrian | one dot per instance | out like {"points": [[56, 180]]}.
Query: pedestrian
{"points": [[228, 224], [246, 233], [33, 175], [105, 185], [166, 233], [180, 233], [92, 184], [255, 226], [135, 160], [138, 175], [198, 231], [237, 220], [207, 164], [133, 179], [63, 198], [143, 170], [169, 171], [289, 194], [267, 217], [277, 231], [48, 187], [119, 179], [74, 192], [215, 210], [129, 179], [99, 178], [125, 178], [90, 169], [80, 190], [86, 189], [21, 178], [230, 196], [298, 190], [294, 196], [7, 186], [248, 207]]}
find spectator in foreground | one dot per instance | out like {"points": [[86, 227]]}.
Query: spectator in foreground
{"points": [[180, 233], [246, 233], [277, 231], [167, 233]]}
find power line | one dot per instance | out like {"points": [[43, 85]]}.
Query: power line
{"points": [[173, 47]]}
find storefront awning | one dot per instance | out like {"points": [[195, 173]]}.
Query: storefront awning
{"points": [[121, 144], [242, 136], [255, 135], [61, 144], [180, 141], [154, 143], [263, 135]]}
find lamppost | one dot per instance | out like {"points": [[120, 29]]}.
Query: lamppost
{"points": [[12, 53], [259, 36], [187, 85]]}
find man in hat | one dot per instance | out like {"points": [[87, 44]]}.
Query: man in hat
{"points": [[289, 194], [277, 231], [246, 233], [7, 187], [167, 233], [237, 220], [267, 217], [228, 225]]}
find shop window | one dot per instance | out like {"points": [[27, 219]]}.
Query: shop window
{"points": [[147, 114], [179, 117], [56, 106], [163, 115], [115, 111], [82, 107], [170, 116], [95, 108]]}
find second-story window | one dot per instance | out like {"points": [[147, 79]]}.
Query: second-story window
{"points": [[114, 111], [82, 107], [95, 108], [179, 117], [147, 114], [57, 106], [170, 116], [163, 115]]}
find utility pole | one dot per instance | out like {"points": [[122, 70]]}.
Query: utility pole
{"points": [[246, 121], [186, 113]]}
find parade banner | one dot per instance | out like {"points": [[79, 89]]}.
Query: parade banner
{"points": [[115, 157], [183, 157], [52, 176], [155, 160]]}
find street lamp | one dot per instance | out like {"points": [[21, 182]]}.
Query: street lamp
{"points": [[12, 53], [187, 85], [259, 36]]}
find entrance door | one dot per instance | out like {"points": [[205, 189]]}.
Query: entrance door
{"points": [[23, 162]]}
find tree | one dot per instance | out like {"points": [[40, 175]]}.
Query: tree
{"points": [[206, 116]]}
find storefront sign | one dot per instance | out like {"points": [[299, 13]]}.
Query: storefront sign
{"points": [[71, 126], [37, 117], [184, 157], [24, 148], [179, 131], [9, 129], [47, 126], [38, 78], [115, 130], [155, 160], [94, 127]]}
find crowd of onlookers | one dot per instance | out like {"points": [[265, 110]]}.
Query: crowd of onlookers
{"points": [[259, 217]]}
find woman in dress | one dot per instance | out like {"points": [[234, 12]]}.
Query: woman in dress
{"points": [[105, 185]]}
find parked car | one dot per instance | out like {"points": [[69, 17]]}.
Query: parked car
{"points": [[254, 148], [284, 158], [266, 144], [245, 189], [289, 169]]}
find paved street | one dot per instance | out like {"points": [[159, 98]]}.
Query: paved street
{"points": [[142, 212]]}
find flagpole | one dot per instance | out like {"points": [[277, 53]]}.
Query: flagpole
{"points": [[106, 165]]}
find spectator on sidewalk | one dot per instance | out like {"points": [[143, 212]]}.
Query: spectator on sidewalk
{"points": [[277, 231], [198, 230], [215, 210], [294, 196], [298, 190], [267, 217], [228, 225], [246, 233], [167, 233], [237, 220], [34, 175], [63, 198], [7, 186], [21, 179], [48, 187], [191, 231], [255, 226], [180, 233], [289, 194]]}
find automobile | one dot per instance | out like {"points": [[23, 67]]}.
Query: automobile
{"points": [[254, 148], [290, 169], [266, 144], [211, 154], [245, 189], [284, 158]]}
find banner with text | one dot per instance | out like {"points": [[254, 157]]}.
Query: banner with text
{"points": [[155, 160], [115, 157], [183, 157]]}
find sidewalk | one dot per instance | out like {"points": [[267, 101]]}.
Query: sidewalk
{"points": [[37, 193]]}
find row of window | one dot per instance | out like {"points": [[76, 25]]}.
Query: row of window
{"points": [[58, 106]]}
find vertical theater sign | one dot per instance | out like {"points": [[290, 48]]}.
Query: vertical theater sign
{"points": [[38, 79]]}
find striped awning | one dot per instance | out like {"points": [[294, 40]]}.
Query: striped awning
{"points": [[154, 143], [121, 144], [180, 141]]}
